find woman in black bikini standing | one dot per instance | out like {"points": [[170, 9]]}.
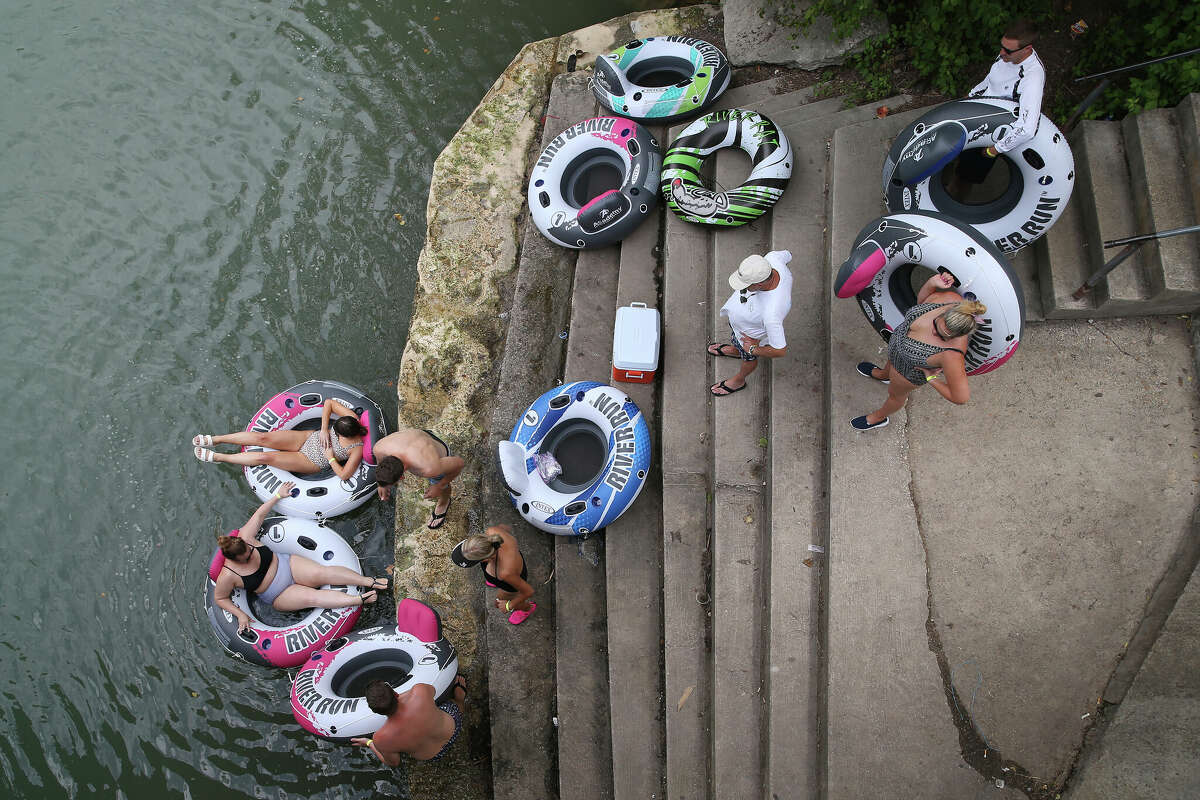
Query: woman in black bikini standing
{"points": [[497, 554], [929, 344]]}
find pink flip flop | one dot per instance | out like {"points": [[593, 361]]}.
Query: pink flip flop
{"points": [[517, 617]]}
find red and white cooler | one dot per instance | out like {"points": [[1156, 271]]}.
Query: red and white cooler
{"points": [[635, 344]]}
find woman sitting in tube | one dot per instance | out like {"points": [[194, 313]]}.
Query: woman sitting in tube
{"points": [[285, 581], [299, 452], [929, 346]]}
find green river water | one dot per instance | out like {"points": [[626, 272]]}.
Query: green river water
{"points": [[197, 212]]}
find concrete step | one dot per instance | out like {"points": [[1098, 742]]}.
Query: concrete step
{"points": [[634, 565], [766, 92], [748, 93], [579, 566], [1162, 200], [580, 586], [1104, 193], [888, 733], [687, 472], [1024, 263], [1065, 260], [1187, 116], [738, 555]]}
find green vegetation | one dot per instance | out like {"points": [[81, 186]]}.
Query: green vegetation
{"points": [[1145, 30], [950, 43]]}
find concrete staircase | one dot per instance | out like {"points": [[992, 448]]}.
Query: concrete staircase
{"points": [[1133, 177], [705, 646]]}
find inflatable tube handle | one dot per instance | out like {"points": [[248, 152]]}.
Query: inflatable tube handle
{"points": [[368, 454], [930, 153], [637, 305], [512, 465], [413, 616], [218, 559], [859, 270]]}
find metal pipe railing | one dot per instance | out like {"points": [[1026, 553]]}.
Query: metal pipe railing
{"points": [[1095, 94], [1132, 243]]}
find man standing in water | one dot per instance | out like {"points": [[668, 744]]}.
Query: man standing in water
{"points": [[415, 725], [423, 454]]}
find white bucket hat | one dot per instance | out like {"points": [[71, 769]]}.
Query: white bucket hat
{"points": [[753, 269]]}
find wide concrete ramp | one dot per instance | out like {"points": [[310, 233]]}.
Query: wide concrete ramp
{"points": [[1050, 506]]}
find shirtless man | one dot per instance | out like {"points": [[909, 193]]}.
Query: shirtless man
{"points": [[414, 724], [423, 454]]}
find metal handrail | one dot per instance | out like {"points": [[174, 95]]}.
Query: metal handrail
{"points": [[1095, 94], [1132, 243]]}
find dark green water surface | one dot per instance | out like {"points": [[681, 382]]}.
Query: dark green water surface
{"points": [[196, 207]]}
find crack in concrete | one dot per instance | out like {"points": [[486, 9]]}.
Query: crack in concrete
{"points": [[1113, 342], [974, 748]]}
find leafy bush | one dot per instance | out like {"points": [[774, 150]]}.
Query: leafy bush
{"points": [[1150, 29], [951, 43]]}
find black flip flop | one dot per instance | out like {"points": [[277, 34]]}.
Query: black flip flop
{"points": [[721, 350], [440, 519], [728, 390]]}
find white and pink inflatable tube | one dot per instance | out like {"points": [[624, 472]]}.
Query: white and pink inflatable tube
{"points": [[321, 494], [327, 694], [289, 645]]}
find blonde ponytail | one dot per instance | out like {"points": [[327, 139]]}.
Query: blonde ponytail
{"points": [[960, 320]]}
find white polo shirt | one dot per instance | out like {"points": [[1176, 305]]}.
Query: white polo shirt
{"points": [[761, 316]]}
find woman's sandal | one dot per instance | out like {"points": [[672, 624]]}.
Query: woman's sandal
{"points": [[202, 440], [459, 680], [376, 584], [202, 454], [362, 598]]}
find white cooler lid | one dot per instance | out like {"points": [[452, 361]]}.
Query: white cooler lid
{"points": [[635, 338]]}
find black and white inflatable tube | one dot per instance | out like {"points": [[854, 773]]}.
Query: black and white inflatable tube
{"points": [[563, 197], [770, 168], [878, 274], [660, 79], [291, 644], [319, 494], [328, 692], [1041, 171]]}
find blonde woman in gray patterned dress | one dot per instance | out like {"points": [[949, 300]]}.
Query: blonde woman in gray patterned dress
{"points": [[301, 452]]}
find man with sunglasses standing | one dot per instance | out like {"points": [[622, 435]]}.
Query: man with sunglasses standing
{"points": [[762, 297], [1018, 75]]}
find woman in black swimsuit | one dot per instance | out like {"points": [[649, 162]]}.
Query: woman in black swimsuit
{"points": [[286, 582], [497, 554], [930, 344]]}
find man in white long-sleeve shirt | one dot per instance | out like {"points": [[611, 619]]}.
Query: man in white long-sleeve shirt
{"points": [[762, 297], [1017, 74]]}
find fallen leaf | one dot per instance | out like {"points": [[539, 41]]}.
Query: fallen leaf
{"points": [[808, 562], [748, 519], [882, 112], [686, 694], [399, 218]]}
